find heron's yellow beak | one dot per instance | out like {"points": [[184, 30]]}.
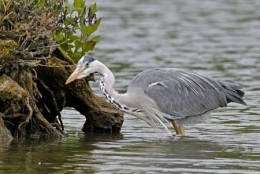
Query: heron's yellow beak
{"points": [[74, 75]]}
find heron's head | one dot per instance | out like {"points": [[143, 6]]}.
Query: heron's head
{"points": [[84, 68]]}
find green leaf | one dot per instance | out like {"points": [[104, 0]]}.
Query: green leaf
{"points": [[59, 37], [90, 29], [77, 3], [41, 3], [64, 46], [78, 44], [86, 31], [66, 22], [70, 19], [70, 46], [67, 47], [72, 38], [96, 24], [89, 45], [93, 8], [79, 10], [95, 38], [43, 18], [75, 56], [69, 7]]}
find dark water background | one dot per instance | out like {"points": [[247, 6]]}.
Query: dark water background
{"points": [[217, 38]]}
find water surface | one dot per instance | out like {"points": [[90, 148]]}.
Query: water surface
{"points": [[216, 38]]}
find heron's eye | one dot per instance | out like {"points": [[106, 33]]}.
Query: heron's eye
{"points": [[86, 64]]}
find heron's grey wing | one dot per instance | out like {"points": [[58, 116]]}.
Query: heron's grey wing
{"points": [[182, 93]]}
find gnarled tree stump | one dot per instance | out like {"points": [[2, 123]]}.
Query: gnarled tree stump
{"points": [[33, 71], [33, 94]]}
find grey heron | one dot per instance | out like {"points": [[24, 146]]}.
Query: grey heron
{"points": [[163, 95]]}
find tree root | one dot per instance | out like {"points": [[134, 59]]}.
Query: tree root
{"points": [[53, 100], [12, 116], [28, 116], [49, 128], [20, 111], [5, 134], [57, 126], [30, 110]]}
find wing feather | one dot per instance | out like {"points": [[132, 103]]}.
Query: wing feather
{"points": [[180, 93]]}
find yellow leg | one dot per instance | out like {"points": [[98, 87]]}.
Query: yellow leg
{"points": [[182, 131], [176, 127]]}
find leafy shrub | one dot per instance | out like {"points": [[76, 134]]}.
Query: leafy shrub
{"points": [[34, 23]]}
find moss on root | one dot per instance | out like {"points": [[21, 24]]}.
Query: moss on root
{"points": [[7, 49], [10, 92]]}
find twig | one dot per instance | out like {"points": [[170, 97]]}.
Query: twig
{"points": [[12, 116]]}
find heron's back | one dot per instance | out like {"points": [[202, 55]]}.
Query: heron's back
{"points": [[146, 78]]}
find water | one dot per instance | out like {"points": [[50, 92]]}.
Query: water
{"points": [[217, 38]]}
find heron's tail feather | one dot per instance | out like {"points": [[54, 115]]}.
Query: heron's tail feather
{"points": [[233, 91]]}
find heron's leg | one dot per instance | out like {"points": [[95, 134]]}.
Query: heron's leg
{"points": [[182, 131], [176, 127]]}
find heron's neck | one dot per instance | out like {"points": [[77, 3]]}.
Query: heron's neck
{"points": [[108, 81], [120, 101]]}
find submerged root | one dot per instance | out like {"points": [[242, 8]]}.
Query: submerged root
{"points": [[47, 126]]}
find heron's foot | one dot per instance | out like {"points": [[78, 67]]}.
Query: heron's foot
{"points": [[178, 129], [182, 131]]}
